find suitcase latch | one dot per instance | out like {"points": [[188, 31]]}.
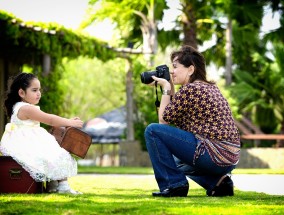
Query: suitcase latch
{"points": [[15, 173]]}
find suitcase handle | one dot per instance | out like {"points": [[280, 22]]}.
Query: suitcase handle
{"points": [[15, 173]]}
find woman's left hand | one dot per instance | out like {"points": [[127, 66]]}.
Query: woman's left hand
{"points": [[161, 82]]}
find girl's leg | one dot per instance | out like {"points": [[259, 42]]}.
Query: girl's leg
{"points": [[51, 186]]}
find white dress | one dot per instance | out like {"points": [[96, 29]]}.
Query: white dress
{"points": [[36, 149]]}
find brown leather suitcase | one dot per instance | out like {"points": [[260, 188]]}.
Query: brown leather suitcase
{"points": [[14, 179], [72, 139]]}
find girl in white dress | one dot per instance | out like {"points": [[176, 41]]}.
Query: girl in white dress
{"points": [[32, 146]]}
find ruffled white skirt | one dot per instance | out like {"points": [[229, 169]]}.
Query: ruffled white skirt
{"points": [[38, 153]]}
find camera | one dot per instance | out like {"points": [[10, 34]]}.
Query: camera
{"points": [[160, 72]]}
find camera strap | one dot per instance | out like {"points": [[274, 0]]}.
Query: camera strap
{"points": [[157, 102]]}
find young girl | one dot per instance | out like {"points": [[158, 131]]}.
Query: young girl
{"points": [[31, 145]]}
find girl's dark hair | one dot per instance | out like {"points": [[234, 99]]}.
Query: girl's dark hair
{"points": [[188, 56], [20, 81]]}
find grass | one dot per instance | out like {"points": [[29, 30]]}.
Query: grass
{"points": [[131, 194], [149, 170]]}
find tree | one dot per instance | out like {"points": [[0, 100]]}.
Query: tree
{"points": [[131, 18], [201, 20], [259, 77], [88, 86]]}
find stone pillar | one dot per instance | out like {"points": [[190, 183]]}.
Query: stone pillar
{"points": [[131, 154]]}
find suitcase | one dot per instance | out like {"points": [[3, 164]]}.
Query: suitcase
{"points": [[72, 139], [14, 179]]}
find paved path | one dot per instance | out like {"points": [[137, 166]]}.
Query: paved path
{"points": [[269, 184]]}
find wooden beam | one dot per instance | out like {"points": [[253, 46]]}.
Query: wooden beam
{"points": [[263, 137]]}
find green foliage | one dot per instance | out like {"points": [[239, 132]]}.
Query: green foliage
{"points": [[123, 15], [28, 41], [25, 43], [259, 93], [52, 92], [92, 87], [233, 103], [144, 99]]}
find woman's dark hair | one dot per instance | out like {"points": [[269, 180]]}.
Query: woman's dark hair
{"points": [[188, 56], [20, 81]]}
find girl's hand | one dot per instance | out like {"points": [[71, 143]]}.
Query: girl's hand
{"points": [[77, 122], [76, 118]]}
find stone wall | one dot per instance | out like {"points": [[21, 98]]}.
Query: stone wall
{"points": [[129, 153], [272, 158]]}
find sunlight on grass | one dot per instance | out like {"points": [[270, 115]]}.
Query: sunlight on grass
{"points": [[149, 170], [100, 183], [132, 194]]}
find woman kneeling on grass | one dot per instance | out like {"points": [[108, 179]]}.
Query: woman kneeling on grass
{"points": [[204, 143]]}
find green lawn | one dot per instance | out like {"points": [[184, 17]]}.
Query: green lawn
{"points": [[149, 170], [131, 194]]}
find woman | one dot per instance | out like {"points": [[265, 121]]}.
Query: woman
{"points": [[196, 135]]}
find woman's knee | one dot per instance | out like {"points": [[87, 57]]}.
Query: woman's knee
{"points": [[150, 128]]}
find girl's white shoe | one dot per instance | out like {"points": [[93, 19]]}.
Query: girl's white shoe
{"points": [[64, 187], [70, 191]]}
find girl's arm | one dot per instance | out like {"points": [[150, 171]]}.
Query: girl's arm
{"points": [[33, 113]]}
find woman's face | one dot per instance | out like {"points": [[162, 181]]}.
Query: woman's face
{"points": [[32, 94], [180, 73]]}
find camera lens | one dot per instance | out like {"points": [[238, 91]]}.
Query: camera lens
{"points": [[146, 77]]}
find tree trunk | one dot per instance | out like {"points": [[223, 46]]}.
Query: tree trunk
{"points": [[129, 101], [228, 74], [149, 33], [189, 26]]}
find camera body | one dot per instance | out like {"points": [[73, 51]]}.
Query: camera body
{"points": [[161, 71]]}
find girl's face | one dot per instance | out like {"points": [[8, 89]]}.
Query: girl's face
{"points": [[32, 94], [180, 73]]}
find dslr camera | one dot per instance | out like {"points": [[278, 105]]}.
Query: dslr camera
{"points": [[161, 71]]}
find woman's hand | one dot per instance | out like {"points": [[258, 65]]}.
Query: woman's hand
{"points": [[165, 100], [161, 82]]}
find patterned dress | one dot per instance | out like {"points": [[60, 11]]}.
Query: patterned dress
{"points": [[36, 149], [200, 108]]}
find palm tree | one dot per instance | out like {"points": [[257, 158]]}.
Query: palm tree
{"points": [[262, 95], [259, 79]]}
